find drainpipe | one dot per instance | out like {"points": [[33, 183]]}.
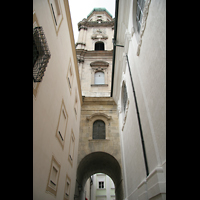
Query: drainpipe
{"points": [[134, 94], [139, 122], [114, 46]]}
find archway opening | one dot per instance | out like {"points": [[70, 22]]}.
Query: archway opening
{"points": [[99, 46], [99, 186], [98, 162]]}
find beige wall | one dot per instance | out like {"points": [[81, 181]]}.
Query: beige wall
{"points": [[51, 93], [147, 58]]}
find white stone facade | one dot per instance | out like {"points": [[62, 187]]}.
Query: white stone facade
{"points": [[97, 28], [146, 51]]}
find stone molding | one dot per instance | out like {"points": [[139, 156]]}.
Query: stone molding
{"points": [[84, 24], [98, 114]]}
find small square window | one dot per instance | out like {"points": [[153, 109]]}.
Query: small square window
{"points": [[101, 184]]}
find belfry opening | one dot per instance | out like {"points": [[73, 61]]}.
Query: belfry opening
{"points": [[99, 46]]}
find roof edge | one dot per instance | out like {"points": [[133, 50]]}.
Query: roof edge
{"points": [[99, 9]]}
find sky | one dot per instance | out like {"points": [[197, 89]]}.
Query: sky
{"points": [[80, 9]]}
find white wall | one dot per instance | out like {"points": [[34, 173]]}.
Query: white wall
{"points": [[149, 78]]}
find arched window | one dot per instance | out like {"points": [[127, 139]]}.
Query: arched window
{"points": [[99, 46], [99, 130], [99, 78], [139, 13], [124, 96]]}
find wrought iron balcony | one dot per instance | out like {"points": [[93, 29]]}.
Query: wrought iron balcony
{"points": [[41, 54]]}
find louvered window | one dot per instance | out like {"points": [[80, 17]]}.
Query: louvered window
{"points": [[41, 54], [99, 130]]}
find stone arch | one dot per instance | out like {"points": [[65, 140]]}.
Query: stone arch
{"points": [[98, 162]]}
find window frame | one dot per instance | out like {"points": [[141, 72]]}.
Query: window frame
{"points": [[103, 78], [52, 189], [99, 66], [99, 42], [104, 134], [71, 148], [61, 137], [55, 7], [102, 183], [67, 193], [98, 116], [70, 76]]}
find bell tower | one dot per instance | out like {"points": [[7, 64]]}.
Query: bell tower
{"points": [[94, 51]]}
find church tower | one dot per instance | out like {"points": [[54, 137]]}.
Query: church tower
{"points": [[94, 51]]}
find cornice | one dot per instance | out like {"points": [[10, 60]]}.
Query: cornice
{"points": [[84, 24]]}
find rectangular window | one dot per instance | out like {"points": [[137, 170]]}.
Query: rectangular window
{"points": [[67, 188], [70, 76], [52, 184], [62, 124], [71, 148], [101, 184], [76, 105], [56, 13]]}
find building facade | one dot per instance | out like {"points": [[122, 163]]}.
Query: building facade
{"points": [[99, 105], [139, 89], [94, 51], [56, 101], [102, 188], [99, 142]]}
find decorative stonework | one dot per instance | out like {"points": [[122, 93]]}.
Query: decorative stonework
{"points": [[99, 34], [98, 114], [143, 26]]}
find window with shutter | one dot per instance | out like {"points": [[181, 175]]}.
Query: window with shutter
{"points": [[99, 129]]}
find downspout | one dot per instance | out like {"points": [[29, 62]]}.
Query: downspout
{"points": [[139, 122], [114, 46]]}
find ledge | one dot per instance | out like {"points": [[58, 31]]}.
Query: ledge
{"points": [[99, 85], [98, 140], [89, 117]]}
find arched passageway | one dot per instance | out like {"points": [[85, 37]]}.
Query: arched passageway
{"points": [[98, 162]]}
